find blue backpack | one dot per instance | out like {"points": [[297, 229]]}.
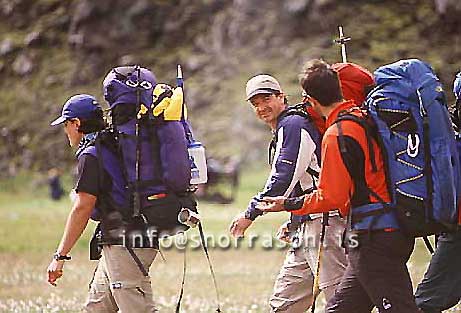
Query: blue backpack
{"points": [[409, 114], [152, 151]]}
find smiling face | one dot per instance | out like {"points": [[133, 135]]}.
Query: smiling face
{"points": [[71, 129], [268, 107]]}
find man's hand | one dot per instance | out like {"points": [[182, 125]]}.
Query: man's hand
{"points": [[239, 225], [272, 204], [283, 234], [55, 271]]}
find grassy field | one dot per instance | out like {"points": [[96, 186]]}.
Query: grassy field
{"points": [[31, 226]]}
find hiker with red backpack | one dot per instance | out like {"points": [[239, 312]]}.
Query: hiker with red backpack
{"points": [[440, 288], [386, 173], [294, 172]]}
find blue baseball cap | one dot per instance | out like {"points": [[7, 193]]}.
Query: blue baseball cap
{"points": [[457, 86], [78, 106]]}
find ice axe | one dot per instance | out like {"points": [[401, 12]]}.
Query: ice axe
{"points": [[342, 41]]}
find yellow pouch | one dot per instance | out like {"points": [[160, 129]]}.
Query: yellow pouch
{"points": [[174, 110], [159, 90], [171, 107]]}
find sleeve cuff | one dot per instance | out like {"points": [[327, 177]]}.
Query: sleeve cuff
{"points": [[253, 214], [293, 204]]}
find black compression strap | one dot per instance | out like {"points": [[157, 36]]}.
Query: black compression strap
{"points": [[137, 261], [357, 217], [272, 147], [428, 245], [166, 94], [313, 172], [427, 167]]}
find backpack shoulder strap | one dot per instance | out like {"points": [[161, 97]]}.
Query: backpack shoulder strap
{"points": [[348, 116], [298, 109], [369, 133], [107, 140]]}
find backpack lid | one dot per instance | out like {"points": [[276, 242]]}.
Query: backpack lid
{"points": [[411, 80], [353, 79], [119, 84], [411, 74], [457, 86]]}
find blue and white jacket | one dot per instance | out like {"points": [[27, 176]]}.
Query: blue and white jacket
{"points": [[296, 162]]}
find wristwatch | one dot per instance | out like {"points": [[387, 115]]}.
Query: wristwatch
{"points": [[59, 257]]}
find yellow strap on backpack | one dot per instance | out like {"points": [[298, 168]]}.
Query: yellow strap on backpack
{"points": [[142, 111]]}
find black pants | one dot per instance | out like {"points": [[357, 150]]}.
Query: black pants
{"points": [[376, 276], [440, 288]]}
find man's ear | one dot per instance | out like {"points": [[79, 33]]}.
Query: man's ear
{"points": [[313, 101], [78, 123]]}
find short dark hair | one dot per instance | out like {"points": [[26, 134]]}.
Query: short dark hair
{"points": [[321, 82], [93, 124]]}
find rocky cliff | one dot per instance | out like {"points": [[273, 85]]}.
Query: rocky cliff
{"points": [[51, 49]]}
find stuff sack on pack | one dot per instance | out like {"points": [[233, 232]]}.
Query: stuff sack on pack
{"points": [[197, 158], [410, 113], [170, 105], [152, 147]]}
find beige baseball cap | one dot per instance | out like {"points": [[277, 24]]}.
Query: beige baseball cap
{"points": [[262, 84]]}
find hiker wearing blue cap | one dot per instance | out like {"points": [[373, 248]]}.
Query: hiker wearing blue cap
{"points": [[82, 117], [440, 288], [117, 283]]}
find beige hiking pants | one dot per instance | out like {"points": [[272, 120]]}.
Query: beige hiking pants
{"points": [[293, 285], [118, 284]]}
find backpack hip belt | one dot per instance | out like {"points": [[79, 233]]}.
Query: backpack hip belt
{"points": [[373, 216]]}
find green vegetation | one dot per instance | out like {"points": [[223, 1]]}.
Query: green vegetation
{"points": [[31, 226]]}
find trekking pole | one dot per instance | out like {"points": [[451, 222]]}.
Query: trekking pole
{"points": [[210, 266], [136, 196], [187, 129], [184, 270], [190, 138], [342, 41], [180, 83], [179, 78], [316, 286]]}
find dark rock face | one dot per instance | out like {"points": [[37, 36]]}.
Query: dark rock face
{"points": [[58, 47], [32, 39]]}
